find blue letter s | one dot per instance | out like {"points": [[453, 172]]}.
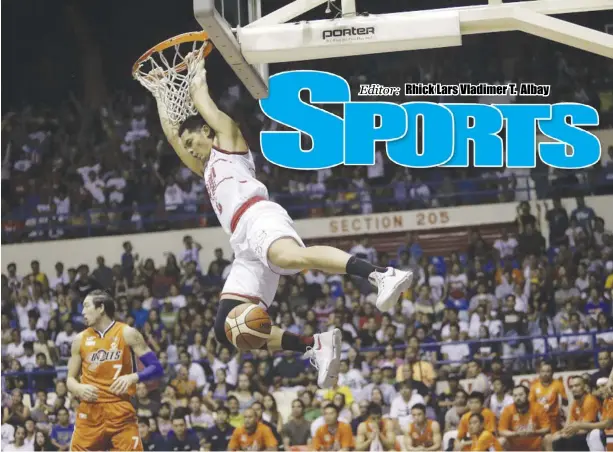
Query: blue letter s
{"points": [[586, 148], [326, 130]]}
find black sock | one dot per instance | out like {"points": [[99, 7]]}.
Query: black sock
{"points": [[362, 268], [296, 343]]}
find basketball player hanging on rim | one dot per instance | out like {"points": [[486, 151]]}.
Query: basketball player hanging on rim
{"points": [[261, 232]]}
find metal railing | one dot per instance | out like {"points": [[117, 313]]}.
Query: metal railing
{"points": [[32, 227], [434, 347]]}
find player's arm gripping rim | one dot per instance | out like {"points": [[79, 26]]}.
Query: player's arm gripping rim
{"points": [[153, 369], [172, 134], [87, 393], [228, 133]]}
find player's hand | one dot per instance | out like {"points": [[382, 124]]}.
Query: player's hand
{"points": [[88, 393], [195, 64], [123, 383]]}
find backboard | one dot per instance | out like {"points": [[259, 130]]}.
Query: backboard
{"points": [[221, 19], [249, 41]]}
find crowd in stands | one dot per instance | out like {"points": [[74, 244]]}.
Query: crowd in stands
{"points": [[65, 176], [470, 322]]}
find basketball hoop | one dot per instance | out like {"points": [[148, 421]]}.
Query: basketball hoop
{"points": [[164, 71]]}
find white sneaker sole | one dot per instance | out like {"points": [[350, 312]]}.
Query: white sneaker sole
{"points": [[331, 373], [400, 286]]}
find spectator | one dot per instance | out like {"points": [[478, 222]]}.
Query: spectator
{"points": [[235, 417], [479, 381], [103, 274], [152, 441], [44, 374], [500, 397], [19, 442], [530, 242], [30, 433], [180, 437], [505, 245], [15, 412], [605, 366], [218, 437], [198, 419], [296, 432], [459, 409], [61, 433], [184, 386], [584, 216], [8, 434], [557, 218], [402, 405], [42, 441]]}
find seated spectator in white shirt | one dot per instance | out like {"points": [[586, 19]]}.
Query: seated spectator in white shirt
{"points": [[400, 411]]}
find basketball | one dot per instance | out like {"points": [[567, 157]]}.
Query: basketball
{"points": [[248, 326]]}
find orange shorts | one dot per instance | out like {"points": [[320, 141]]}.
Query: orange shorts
{"points": [[106, 426]]}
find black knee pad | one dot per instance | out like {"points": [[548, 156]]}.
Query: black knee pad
{"points": [[225, 307]]}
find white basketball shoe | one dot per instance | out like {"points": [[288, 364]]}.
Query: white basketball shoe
{"points": [[390, 286], [325, 356]]}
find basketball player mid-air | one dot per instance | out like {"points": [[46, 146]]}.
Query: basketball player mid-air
{"points": [[104, 355], [261, 232]]}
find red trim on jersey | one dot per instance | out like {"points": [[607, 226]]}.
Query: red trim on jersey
{"points": [[228, 152], [242, 209], [248, 297]]}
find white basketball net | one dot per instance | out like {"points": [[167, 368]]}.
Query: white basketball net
{"points": [[170, 82]]}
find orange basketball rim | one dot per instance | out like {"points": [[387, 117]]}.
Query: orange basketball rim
{"points": [[193, 37]]}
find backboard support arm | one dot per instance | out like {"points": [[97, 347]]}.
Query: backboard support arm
{"points": [[222, 36]]}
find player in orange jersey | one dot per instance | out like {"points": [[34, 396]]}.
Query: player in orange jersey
{"points": [[481, 439], [334, 434], [252, 435], [104, 356], [375, 433], [524, 423], [584, 409], [423, 434], [600, 436], [475, 405], [549, 392]]}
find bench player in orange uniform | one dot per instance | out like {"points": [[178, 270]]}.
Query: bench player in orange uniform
{"points": [[600, 436], [104, 355], [253, 435], [475, 404], [549, 393], [423, 434], [523, 424], [481, 439], [584, 410], [376, 433]]}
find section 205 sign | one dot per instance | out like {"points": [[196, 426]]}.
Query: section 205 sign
{"points": [[446, 130]]}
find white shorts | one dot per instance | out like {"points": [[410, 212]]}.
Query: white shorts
{"points": [[252, 275]]}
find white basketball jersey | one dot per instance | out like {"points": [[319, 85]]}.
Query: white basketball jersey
{"points": [[230, 182]]}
